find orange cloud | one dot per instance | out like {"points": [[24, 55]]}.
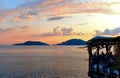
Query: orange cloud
{"points": [[51, 2], [16, 29], [1, 20], [87, 7], [11, 35], [22, 34], [58, 31], [47, 8]]}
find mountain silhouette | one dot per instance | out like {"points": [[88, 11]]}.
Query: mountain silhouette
{"points": [[31, 43], [73, 42]]}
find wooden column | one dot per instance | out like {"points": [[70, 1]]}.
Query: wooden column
{"points": [[98, 48], [90, 55]]}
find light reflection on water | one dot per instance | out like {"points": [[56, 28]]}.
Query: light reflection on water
{"points": [[43, 62]]}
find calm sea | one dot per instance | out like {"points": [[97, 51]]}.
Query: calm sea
{"points": [[43, 62]]}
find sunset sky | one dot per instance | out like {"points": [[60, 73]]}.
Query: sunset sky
{"points": [[54, 21]]}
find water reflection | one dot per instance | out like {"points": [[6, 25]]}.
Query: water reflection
{"points": [[43, 62]]}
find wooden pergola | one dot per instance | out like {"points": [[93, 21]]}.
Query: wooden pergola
{"points": [[98, 44]]}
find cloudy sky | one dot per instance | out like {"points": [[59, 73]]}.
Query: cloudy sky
{"points": [[54, 21]]}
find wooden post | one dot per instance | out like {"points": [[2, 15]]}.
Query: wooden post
{"points": [[98, 61], [107, 48], [90, 54]]}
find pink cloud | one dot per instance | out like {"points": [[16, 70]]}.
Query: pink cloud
{"points": [[59, 31], [89, 7], [25, 27], [48, 8], [15, 30], [11, 35], [23, 18], [51, 2]]}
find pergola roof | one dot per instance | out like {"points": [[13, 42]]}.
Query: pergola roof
{"points": [[104, 41]]}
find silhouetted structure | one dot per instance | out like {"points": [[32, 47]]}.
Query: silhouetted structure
{"points": [[102, 62]]}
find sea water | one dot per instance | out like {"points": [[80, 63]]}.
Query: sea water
{"points": [[43, 62]]}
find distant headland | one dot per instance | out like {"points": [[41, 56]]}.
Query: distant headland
{"points": [[73, 42], [68, 42], [31, 43]]}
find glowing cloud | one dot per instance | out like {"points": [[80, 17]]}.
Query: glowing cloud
{"points": [[30, 10], [10, 35], [58, 31], [107, 31]]}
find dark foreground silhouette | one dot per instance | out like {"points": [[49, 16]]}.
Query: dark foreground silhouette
{"points": [[103, 62]]}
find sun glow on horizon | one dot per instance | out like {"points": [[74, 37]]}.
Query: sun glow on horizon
{"points": [[54, 21], [116, 8]]}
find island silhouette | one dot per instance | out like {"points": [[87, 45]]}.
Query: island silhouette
{"points": [[73, 42], [31, 43], [68, 42]]}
